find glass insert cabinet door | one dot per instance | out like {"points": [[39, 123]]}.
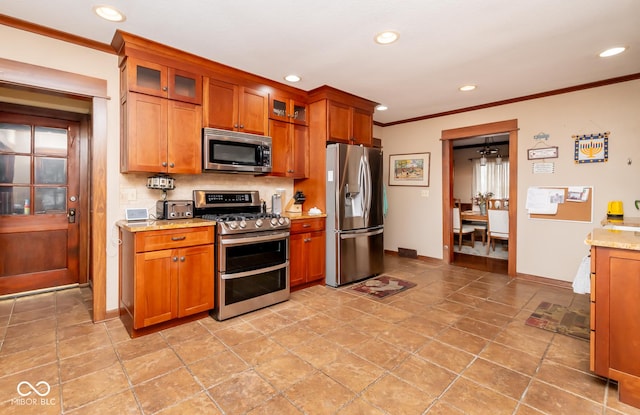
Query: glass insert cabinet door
{"points": [[33, 169], [288, 110]]}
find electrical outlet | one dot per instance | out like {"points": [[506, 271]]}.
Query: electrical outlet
{"points": [[424, 193]]}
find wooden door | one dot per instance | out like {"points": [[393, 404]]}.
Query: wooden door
{"points": [[300, 152], [221, 103], [156, 277], [279, 132], [316, 256], [144, 147], [339, 123], [40, 205], [297, 259], [253, 111], [362, 127]]}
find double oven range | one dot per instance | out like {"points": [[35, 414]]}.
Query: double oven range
{"points": [[251, 254]]}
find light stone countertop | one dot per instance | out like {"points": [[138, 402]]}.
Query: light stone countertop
{"points": [[614, 239], [159, 225], [303, 215]]}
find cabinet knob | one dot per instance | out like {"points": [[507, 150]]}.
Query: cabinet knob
{"points": [[165, 89], [172, 165], [164, 164], [241, 125], [307, 240], [235, 125], [182, 259], [175, 259]]}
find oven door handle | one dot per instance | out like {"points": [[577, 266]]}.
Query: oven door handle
{"points": [[254, 271], [254, 239]]}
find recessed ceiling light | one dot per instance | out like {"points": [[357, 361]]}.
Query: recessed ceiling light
{"points": [[381, 107], [386, 37], [109, 13], [292, 78], [465, 88], [612, 51]]}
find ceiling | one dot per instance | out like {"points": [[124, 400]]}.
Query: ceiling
{"points": [[508, 48]]}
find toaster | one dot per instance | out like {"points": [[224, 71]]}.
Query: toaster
{"points": [[174, 209]]}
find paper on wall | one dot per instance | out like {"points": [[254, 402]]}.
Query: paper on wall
{"points": [[539, 201]]}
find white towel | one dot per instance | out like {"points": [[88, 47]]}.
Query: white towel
{"points": [[582, 282]]}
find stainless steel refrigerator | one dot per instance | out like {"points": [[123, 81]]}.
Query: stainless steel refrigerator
{"points": [[355, 224]]}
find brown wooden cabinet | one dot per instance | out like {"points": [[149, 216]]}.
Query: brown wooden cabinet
{"points": [[234, 107], [615, 327], [165, 275], [288, 109], [350, 125], [161, 118], [307, 251], [160, 135], [290, 152], [162, 81]]}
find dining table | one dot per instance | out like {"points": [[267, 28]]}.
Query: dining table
{"points": [[474, 216]]}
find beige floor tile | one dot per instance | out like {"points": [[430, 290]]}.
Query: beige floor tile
{"points": [[277, 405], [424, 375], [462, 340], [446, 356], [166, 390], [151, 365], [284, 371], [123, 403], [347, 336], [511, 358], [185, 332], [294, 335], [319, 352], [133, 348], [85, 363], [199, 404], [80, 344], [381, 353], [39, 327], [497, 378], [614, 403], [477, 328], [475, 399], [198, 348], [242, 393], [259, 350], [321, 323], [397, 397], [580, 383], [31, 315], [94, 386], [218, 368], [6, 307], [570, 352], [550, 399], [9, 384], [318, 394], [238, 333], [34, 405], [404, 339], [360, 407], [34, 302], [443, 408], [270, 322], [353, 372], [80, 330], [14, 344], [28, 359]]}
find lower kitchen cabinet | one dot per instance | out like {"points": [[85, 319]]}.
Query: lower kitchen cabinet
{"points": [[615, 327], [307, 251], [165, 276]]}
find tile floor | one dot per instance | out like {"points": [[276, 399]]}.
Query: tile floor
{"points": [[454, 344]]}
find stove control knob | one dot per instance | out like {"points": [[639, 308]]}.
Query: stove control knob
{"points": [[258, 223], [274, 221], [243, 224], [281, 221], [232, 225]]}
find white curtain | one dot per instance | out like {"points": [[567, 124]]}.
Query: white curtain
{"points": [[492, 178]]}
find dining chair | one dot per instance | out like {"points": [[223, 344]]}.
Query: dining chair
{"points": [[461, 229], [497, 226]]}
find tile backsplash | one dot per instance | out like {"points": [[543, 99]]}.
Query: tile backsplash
{"points": [[135, 194]]}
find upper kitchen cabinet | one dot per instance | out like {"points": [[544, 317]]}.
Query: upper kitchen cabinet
{"points": [[290, 152], [161, 111], [163, 81], [288, 109], [231, 106], [341, 117]]}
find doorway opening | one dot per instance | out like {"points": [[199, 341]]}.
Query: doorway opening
{"points": [[487, 149]]}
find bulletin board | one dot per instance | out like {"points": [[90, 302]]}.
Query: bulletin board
{"points": [[569, 210]]}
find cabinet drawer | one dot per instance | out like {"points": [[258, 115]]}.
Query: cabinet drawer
{"points": [[307, 225], [174, 238]]}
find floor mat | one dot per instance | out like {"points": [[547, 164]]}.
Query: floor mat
{"points": [[561, 319], [382, 286]]}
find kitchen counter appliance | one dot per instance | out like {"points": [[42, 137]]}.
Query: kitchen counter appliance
{"points": [[235, 152], [174, 209], [355, 248], [251, 252]]}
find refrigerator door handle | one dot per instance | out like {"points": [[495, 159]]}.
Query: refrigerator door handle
{"points": [[361, 234], [368, 195], [362, 184]]}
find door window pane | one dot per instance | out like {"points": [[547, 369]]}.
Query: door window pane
{"points": [[50, 199], [15, 169], [15, 138], [148, 78], [185, 86], [50, 170], [12, 200], [51, 141]]}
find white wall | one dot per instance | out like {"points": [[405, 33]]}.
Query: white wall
{"points": [[43, 51], [550, 249]]}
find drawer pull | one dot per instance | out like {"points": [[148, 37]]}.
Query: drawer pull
{"points": [[306, 225], [178, 238]]}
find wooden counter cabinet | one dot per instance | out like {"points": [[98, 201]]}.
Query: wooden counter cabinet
{"points": [[165, 275], [307, 252], [615, 327]]}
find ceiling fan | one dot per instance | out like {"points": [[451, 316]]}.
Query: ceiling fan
{"points": [[487, 150]]}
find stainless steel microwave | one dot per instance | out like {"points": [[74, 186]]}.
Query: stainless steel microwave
{"points": [[235, 152]]}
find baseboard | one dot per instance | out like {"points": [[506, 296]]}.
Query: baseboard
{"points": [[543, 280], [418, 257]]}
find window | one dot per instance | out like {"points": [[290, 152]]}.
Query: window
{"points": [[492, 177]]}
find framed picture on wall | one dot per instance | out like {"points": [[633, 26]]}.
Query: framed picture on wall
{"points": [[409, 169]]}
